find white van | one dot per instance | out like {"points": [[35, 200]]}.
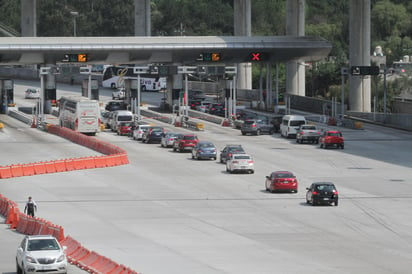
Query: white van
{"points": [[121, 116], [290, 124]]}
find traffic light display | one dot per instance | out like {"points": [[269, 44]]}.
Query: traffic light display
{"points": [[211, 57], [75, 58], [258, 56], [364, 70]]}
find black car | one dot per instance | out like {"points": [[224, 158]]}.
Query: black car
{"points": [[322, 193], [229, 150], [217, 109], [153, 135], [256, 127], [116, 105]]}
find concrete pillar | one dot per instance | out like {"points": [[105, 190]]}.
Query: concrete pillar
{"points": [[142, 18], [28, 18], [359, 54], [295, 26], [243, 27]]}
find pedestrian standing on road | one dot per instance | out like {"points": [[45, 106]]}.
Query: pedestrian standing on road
{"points": [[30, 207]]}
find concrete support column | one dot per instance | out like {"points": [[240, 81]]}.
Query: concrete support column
{"points": [[359, 54], [142, 26], [295, 26], [243, 27], [28, 18]]}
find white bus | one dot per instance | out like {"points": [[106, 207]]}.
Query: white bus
{"points": [[114, 76], [79, 114]]}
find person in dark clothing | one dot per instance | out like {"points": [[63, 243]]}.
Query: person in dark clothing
{"points": [[30, 207]]}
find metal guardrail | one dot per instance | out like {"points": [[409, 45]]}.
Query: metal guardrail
{"points": [[21, 116], [8, 31]]}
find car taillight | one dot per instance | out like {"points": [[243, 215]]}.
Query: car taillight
{"points": [[335, 191], [253, 125], [250, 162], [301, 133], [319, 132], [315, 193], [229, 154], [170, 139]]}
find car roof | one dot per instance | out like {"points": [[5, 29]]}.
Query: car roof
{"points": [[205, 142], [241, 154], [32, 237], [282, 172], [323, 183]]}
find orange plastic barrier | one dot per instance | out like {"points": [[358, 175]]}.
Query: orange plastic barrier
{"points": [[3, 205], [120, 269], [89, 162], [39, 227], [16, 170], [78, 255], [5, 172], [39, 168], [79, 163], [60, 165], [31, 225], [124, 159], [22, 224], [69, 164], [28, 169], [106, 266], [71, 244], [50, 167], [88, 261], [100, 162], [13, 217], [56, 231]]}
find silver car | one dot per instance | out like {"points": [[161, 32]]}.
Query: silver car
{"points": [[168, 138], [240, 163], [41, 253]]}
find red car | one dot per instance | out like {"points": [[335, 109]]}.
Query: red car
{"points": [[281, 181], [331, 138], [185, 142], [124, 128]]}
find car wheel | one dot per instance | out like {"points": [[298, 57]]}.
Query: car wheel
{"points": [[313, 202], [258, 132], [221, 161], [227, 170], [307, 201], [341, 146], [336, 203], [317, 141], [321, 145], [197, 157], [271, 132], [18, 269], [243, 133], [174, 149], [193, 157], [252, 171]]}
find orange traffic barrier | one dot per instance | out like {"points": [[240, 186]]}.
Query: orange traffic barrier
{"points": [[120, 269], [71, 244], [22, 224], [3, 205], [31, 225], [60, 165], [124, 159], [69, 164], [28, 169], [39, 226], [89, 162], [78, 163], [13, 217], [78, 255], [109, 160], [95, 267], [57, 231], [39, 168], [106, 266], [99, 162], [117, 159], [5, 172], [88, 261], [50, 167], [16, 170]]}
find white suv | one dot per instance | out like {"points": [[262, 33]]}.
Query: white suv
{"points": [[41, 253]]}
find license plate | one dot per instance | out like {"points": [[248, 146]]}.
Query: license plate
{"points": [[243, 167], [325, 199], [285, 182], [46, 267]]}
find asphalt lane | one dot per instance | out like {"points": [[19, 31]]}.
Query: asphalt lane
{"points": [[167, 213]]}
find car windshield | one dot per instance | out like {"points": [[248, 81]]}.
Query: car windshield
{"points": [[189, 138], [206, 145], [249, 122], [338, 134], [325, 187], [236, 149], [157, 129], [283, 175], [296, 123], [124, 118], [42, 244], [31, 91], [242, 157], [309, 127]]}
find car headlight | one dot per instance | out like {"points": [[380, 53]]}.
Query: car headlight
{"points": [[30, 259], [61, 258]]}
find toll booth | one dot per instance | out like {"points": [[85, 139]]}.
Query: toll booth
{"points": [[7, 94], [94, 89]]}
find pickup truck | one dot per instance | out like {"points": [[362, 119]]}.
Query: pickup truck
{"points": [[331, 138], [308, 133]]}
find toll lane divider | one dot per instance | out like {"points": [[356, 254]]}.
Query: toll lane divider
{"points": [[113, 156], [78, 255]]}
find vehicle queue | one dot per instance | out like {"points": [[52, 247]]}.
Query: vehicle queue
{"points": [[234, 156]]}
